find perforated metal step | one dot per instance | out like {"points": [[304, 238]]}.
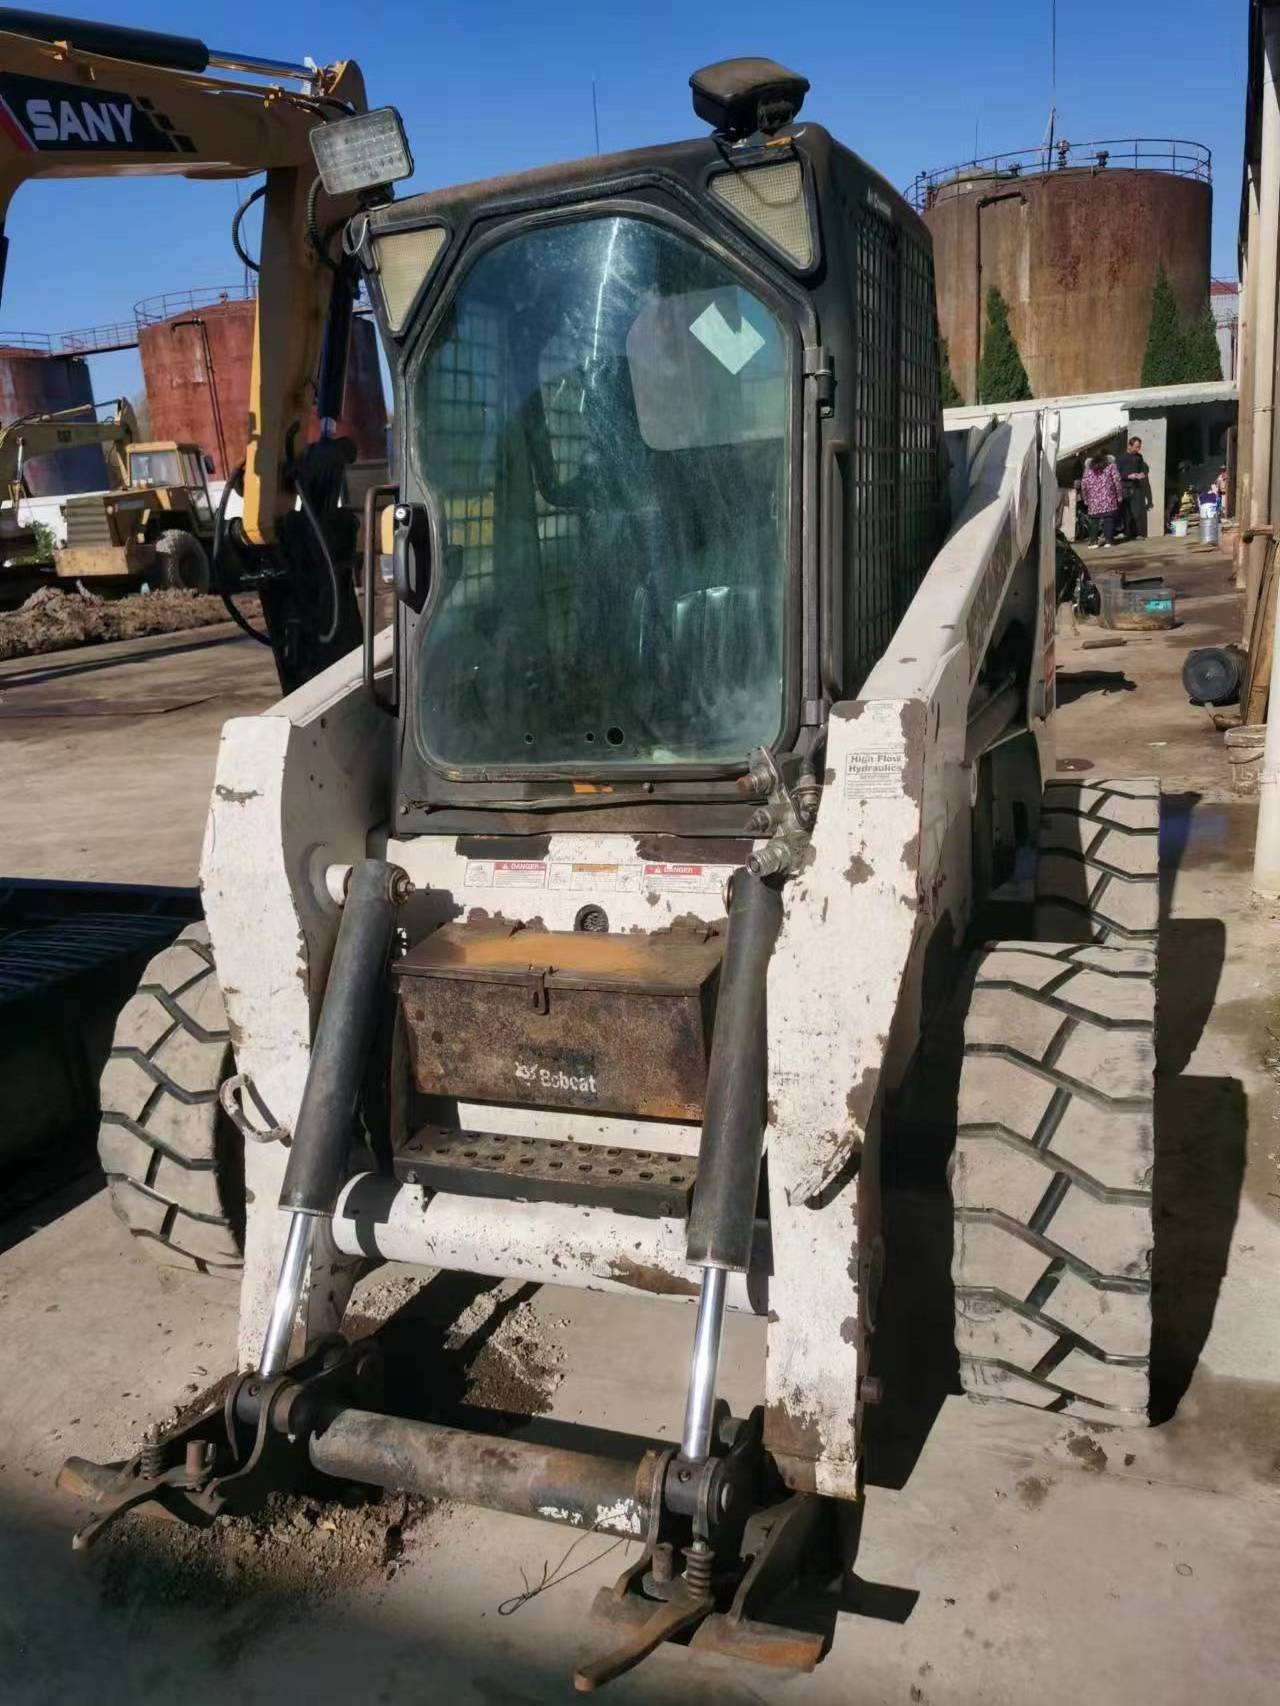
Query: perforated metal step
{"points": [[548, 1169]]}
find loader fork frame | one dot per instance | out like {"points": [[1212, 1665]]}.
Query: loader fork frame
{"points": [[308, 1430]]}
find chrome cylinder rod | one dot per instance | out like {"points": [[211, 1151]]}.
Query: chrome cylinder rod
{"points": [[695, 1441], [284, 1310], [227, 61]]}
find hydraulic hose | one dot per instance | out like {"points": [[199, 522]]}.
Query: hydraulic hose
{"points": [[335, 601], [236, 222], [219, 540]]}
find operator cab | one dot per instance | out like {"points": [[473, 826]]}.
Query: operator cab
{"points": [[173, 467], [669, 443]]}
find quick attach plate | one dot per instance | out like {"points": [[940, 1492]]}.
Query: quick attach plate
{"points": [[548, 1169]]}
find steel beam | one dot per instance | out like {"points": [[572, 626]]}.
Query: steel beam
{"points": [[545, 1243], [607, 1494]]}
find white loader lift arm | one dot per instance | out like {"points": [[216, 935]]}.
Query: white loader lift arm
{"points": [[304, 790]]}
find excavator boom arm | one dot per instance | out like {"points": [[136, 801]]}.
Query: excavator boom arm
{"points": [[65, 429], [80, 99]]}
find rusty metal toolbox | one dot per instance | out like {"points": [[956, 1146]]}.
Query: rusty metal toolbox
{"points": [[562, 1018]]}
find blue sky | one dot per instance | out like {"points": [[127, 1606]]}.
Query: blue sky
{"points": [[491, 86]]}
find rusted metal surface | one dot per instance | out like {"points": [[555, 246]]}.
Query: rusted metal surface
{"points": [[664, 964], [581, 1489], [196, 364], [364, 405], [547, 1169], [561, 1019], [778, 1545], [1075, 255], [1130, 153], [196, 368], [796, 1442], [644, 1276], [36, 384]]}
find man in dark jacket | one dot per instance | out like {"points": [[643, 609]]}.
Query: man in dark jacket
{"points": [[1137, 488]]}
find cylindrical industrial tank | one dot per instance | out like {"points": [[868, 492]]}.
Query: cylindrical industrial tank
{"points": [[1075, 254], [32, 383], [364, 408], [196, 363]]}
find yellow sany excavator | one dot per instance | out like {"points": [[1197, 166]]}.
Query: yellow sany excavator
{"points": [[84, 99]]}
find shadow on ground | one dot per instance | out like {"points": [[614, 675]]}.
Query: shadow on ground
{"points": [[1073, 684]]}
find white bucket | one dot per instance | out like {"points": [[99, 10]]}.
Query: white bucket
{"points": [[1180, 527]]}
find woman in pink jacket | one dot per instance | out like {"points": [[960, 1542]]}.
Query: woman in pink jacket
{"points": [[1103, 492]]}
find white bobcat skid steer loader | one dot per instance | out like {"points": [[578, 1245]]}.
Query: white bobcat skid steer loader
{"points": [[582, 930]]}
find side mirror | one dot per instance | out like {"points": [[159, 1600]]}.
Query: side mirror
{"points": [[208, 463]]}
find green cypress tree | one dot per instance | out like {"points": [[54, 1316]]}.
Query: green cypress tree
{"points": [[1201, 357], [1001, 376], [1162, 362], [951, 398]]}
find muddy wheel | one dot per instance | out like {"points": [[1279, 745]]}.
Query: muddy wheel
{"points": [[1097, 876], [1051, 1179], [173, 1160], [181, 562]]}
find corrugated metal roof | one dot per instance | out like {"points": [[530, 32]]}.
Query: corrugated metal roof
{"points": [[1138, 397]]}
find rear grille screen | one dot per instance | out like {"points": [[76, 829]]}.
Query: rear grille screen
{"points": [[895, 514]]}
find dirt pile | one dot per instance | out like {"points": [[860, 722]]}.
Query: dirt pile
{"points": [[492, 1350], [52, 620], [294, 1548]]}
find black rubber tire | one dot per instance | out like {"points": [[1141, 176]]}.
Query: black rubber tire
{"points": [[1211, 675], [182, 563], [173, 1160], [1051, 1179], [1097, 871]]}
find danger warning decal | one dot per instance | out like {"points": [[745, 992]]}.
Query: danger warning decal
{"points": [[43, 118], [630, 877]]}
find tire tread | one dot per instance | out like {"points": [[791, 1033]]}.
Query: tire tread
{"points": [[1032, 1220], [163, 1162]]}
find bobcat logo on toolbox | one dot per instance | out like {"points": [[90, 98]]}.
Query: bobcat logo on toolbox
{"points": [[41, 118]]}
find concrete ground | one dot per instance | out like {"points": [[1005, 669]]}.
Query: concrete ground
{"points": [[107, 753], [1005, 1555]]}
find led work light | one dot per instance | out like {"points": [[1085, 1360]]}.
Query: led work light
{"points": [[362, 152]]}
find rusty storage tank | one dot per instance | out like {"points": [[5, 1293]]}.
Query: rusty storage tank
{"points": [[196, 349], [1073, 237], [364, 408], [35, 382], [197, 352]]}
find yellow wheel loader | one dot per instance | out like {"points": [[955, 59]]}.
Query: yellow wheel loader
{"points": [[623, 914], [158, 527], [157, 522]]}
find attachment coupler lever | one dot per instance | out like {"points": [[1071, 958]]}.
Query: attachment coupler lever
{"points": [[722, 1219], [339, 1056]]}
